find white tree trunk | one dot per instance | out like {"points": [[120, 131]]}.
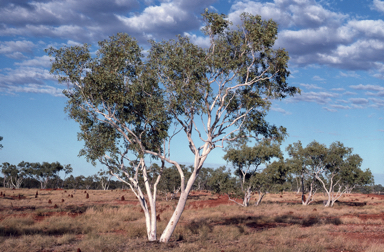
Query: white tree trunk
{"points": [[260, 198], [168, 231]]}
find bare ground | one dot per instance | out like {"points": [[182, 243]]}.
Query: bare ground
{"points": [[60, 220]]}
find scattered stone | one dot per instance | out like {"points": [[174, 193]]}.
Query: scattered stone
{"points": [[314, 209], [19, 197], [78, 250], [35, 196], [62, 200], [281, 196], [87, 196], [71, 195], [37, 193], [158, 218], [122, 198], [85, 191], [49, 201], [55, 206], [1, 194]]}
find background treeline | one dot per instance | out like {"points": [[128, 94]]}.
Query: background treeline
{"points": [[277, 177]]}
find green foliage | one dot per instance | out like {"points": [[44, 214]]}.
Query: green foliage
{"points": [[127, 107], [170, 180], [1, 139], [221, 181], [44, 172], [335, 165], [246, 161], [271, 179], [13, 175], [113, 96]]}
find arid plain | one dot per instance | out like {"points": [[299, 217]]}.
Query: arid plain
{"points": [[96, 220]]}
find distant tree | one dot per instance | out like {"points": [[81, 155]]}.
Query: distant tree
{"points": [[379, 189], [221, 181], [13, 175], [201, 182], [88, 182], [170, 182], [43, 172], [306, 164], [272, 178], [103, 178], [246, 161], [343, 171], [1, 139], [128, 108], [336, 169]]}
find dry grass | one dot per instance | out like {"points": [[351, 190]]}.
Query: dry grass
{"points": [[105, 223]]}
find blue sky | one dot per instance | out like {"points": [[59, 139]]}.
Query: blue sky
{"points": [[336, 50]]}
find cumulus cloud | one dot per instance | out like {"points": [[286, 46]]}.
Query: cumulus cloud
{"points": [[329, 110], [93, 20], [25, 75], [313, 34], [351, 74], [33, 88], [378, 5], [280, 110], [337, 89], [359, 101], [15, 49], [317, 97], [43, 61], [337, 106], [310, 86], [367, 87]]}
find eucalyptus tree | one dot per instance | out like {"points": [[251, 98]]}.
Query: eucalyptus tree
{"points": [[246, 160], [272, 178], [44, 172], [13, 175], [309, 163], [129, 109], [342, 172], [222, 182], [335, 169], [103, 178], [1, 139]]}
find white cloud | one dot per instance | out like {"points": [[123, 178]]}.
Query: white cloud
{"points": [[310, 86], [337, 89], [317, 78], [340, 106], [359, 101], [329, 110], [317, 97], [33, 88], [349, 93], [43, 61], [378, 5], [351, 74], [198, 40], [367, 87], [280, 110], [14, 49]]}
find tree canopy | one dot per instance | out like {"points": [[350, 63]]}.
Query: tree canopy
{"points": [[333, 167], [130, 108]]}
